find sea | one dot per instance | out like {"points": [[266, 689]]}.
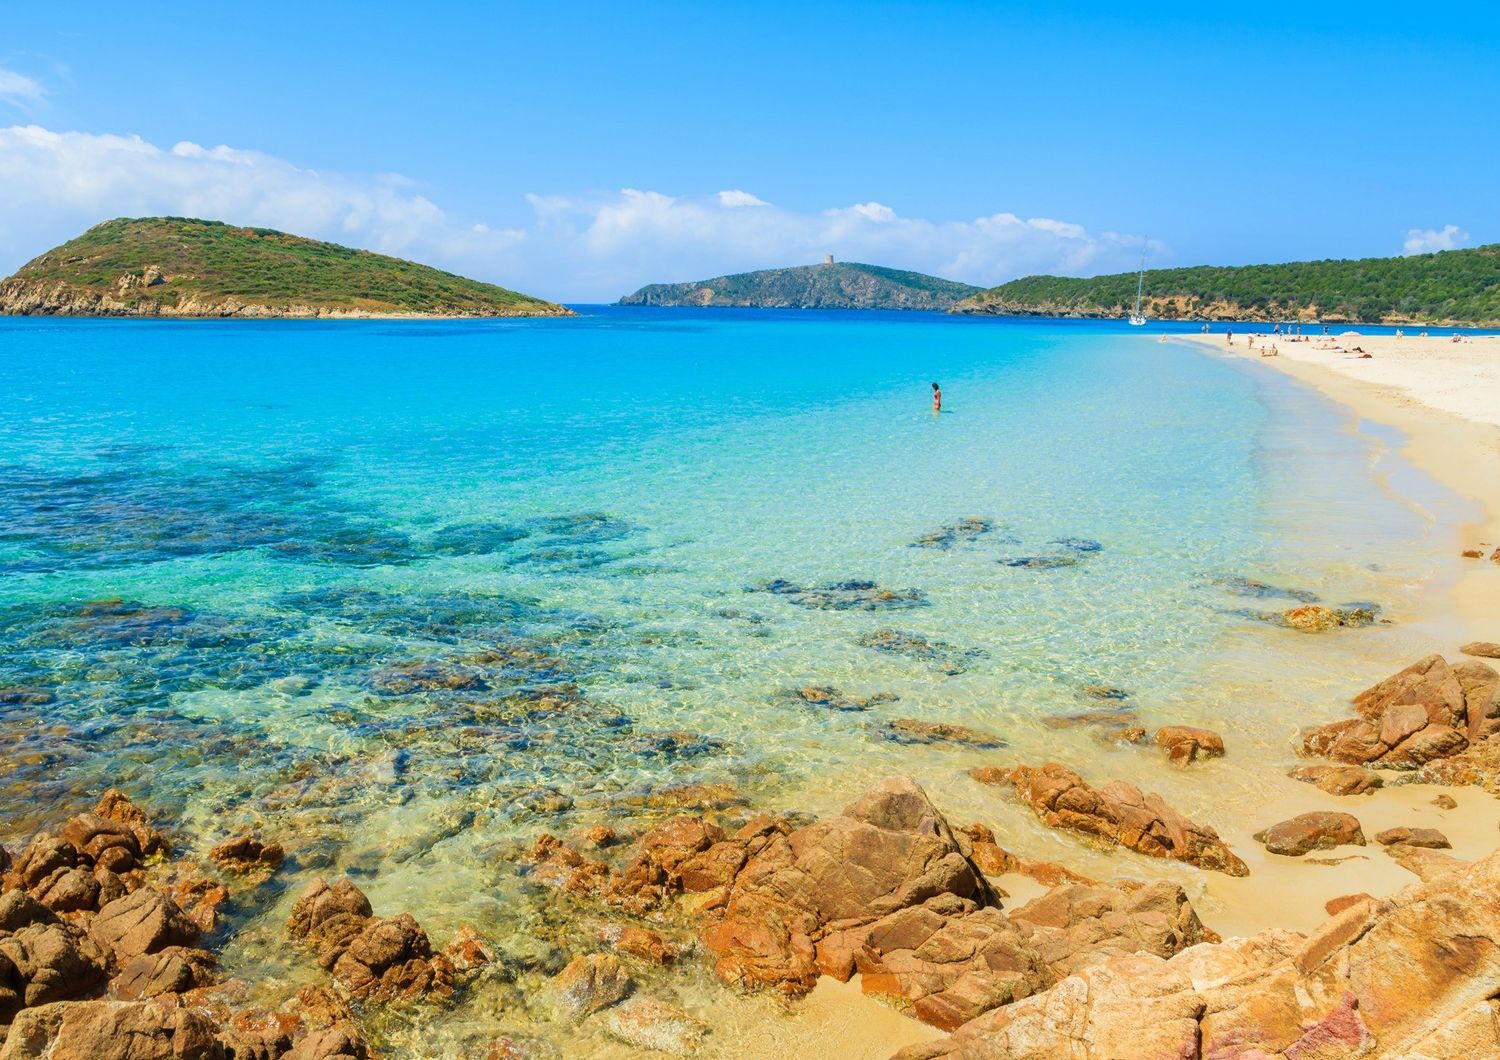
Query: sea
{"points": [[405, 594]]}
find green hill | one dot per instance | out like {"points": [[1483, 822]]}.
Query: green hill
{"points": [[1453, 287], [831, 285], [179, 266]]}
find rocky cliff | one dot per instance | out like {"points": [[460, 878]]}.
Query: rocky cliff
{"points": [[831, 285]]}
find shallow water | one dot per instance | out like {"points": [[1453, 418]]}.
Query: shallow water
{"points": [[405, 594]]}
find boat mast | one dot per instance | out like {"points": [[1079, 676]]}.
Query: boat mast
{"points": [[1140, 281]]}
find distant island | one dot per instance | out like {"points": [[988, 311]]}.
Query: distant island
{"points": [[1452, 287], [184, 267], [830, 285]]}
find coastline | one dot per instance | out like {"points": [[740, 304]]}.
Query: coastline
{"points": [[1449, 427]]}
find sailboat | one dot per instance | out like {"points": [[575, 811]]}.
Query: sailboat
{"points": [[1136, 320]]}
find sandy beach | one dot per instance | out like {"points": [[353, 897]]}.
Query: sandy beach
{"points": [[1444, 398]]}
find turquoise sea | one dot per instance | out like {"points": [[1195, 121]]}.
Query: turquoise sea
{"points": [[405, 594]]}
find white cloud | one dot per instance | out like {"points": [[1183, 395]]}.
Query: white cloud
{"points": [[19, 90], [593, 247], [1428, 240], [740, 198]]}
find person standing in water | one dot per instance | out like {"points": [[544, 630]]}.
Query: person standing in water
{"points": [[937, 398]]}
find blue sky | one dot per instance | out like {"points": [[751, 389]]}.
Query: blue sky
{"points": [[578, 151]]}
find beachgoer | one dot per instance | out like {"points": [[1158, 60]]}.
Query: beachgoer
{"points": [[1229, 337], [937, 398]]}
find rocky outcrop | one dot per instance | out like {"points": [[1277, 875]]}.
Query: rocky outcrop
{"points": [[1338, 780], [112, 1030], [1428, 711], [1185, 744], [1484, 649], [1311, 831], [374, 958], [1120, 813], [1412, 976]]}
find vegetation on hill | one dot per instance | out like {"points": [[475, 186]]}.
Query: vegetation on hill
{"points": [[832, 285], [179, 266], [1450, 287]]}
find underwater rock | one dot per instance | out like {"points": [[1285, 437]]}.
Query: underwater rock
{"points": [[247, 855], [946, 658], [1083, 545], [956, 534], [1306, 832], [639, 942], [851, 595], [913, 731], [830, 698], [649, 1024], [26, 697], [591, 983], [1057, 562], [675, 744], [1120, 813], [1185, 744], [1105, 692], [1259, 590]]}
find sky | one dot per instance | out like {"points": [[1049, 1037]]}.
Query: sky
{"points": [[579, 151]]}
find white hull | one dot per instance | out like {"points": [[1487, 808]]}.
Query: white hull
{"points": [[1137, 321]]}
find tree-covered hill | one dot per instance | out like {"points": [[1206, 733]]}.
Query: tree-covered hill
{"points": [[179, 266], [831, 285], [1451, 287]]}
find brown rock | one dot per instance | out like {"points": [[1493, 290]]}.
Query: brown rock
{"points": [[1414, 837], [246, 854], [1120, 813], [648, 1024], [1408, 977], [1472, 553], [390, 957], [591, 983], [175, 970], [1185, 744], [1338, 780], [324, 911], [1335, 906], [41, 958], [639, 942], [1486, 649], [111, 1030], [41, 860], [1311, 831], [146, 921], [912, 730], [104, 842], [467, 951], [1311, 618], [1444, 801], [116, 806]]}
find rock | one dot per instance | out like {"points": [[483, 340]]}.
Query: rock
{"points": [[1075, 925], [140, 923], [116, 806], [954, 534], [945, 658], [639, 942], [847, 596], [111, 1030], [1119, 813], [591, 983], [1335, 906], [69, 891], [1311, 618], [1413, 837], [173, 971], [1338, 780], [1311, 831], [1185, 744], [1428, 711], [248, 855], [467, 951], [830, 698], [41, 860], [1485, 649], [912, 731], [108, 844], [1472, 553], [648, 1024], [1411, 976], [1445, 802], [375, 958], [42, 959], [390, 957]]}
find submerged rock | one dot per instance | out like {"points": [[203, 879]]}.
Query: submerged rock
{"points": [[913, 731], [1259, 590], [944, 657], [854, 595], [248, 855], [1306, 832], [648, 1024], [1056, 562], [591, 983], [1413, 837], [830, 698], [956, 534], [1119, 813]]}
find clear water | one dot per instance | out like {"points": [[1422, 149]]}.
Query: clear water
{"points": [[296, 513]]}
